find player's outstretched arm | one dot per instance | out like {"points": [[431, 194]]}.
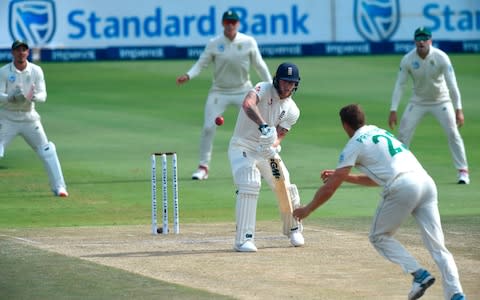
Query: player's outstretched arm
{"points": [[323, 193], [360, 179]]}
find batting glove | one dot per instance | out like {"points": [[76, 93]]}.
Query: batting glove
{"points": [[268, 152], [269, 135]]}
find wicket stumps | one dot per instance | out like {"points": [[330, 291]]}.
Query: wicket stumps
{"points": [[176, 222]]}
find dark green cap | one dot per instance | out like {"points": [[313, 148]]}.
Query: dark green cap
{"points": [[422, 34], [230, 15], [19, 43]]}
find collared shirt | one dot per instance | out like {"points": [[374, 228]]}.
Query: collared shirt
{"points": [[433, 78], [378, 154], [231, 62], [275, 111], [11, 79]]}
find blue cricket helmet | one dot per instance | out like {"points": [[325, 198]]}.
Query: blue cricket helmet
{"points": [[288, 72]]}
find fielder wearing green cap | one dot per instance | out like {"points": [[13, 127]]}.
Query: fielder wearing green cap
{"points": [[232, 55], [19, 43], [22, 86], [422, 34], [230, 15], [435, 91]]}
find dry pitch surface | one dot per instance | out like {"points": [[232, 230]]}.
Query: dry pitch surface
{"points": [[334, 264]]}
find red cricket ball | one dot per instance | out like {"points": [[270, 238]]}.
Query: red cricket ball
{"points": [[219, 121]]}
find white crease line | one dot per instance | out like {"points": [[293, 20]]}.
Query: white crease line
{"points": [[21, 239]]}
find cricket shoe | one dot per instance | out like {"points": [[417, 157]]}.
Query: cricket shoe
{"points": [[248, 246], [61, 192], [458, 296], [421, 282], [201, 173], [296, 239], [463, 177]]}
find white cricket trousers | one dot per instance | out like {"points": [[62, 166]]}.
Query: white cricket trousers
{"points": [[31, 131], [217, 103], [413, 193], [445, 115]]}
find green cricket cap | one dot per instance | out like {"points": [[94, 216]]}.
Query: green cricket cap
{"points": [[422, 34], [19, 43], [230, 15]]}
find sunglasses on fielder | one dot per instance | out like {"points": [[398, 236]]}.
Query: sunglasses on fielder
{"points": [[230, 22]]}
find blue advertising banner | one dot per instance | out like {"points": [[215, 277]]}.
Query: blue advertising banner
{"points": [[87, 30]]}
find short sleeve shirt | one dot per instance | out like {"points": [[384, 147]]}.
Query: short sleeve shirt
{"points": [[378, 154]]}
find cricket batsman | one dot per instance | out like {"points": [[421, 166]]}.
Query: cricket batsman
{"points": [[267, 115]]}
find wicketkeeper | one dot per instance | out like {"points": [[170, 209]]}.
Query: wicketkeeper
{"points": [[268, 114], [22, 84]]}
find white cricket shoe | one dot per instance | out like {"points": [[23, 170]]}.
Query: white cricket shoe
{"points": [[463, 177], [61, 192], [248, 246], [201, 173], [420, 284], [296, 239]]}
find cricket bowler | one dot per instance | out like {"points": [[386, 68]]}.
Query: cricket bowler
{"points": [[407, 190]]}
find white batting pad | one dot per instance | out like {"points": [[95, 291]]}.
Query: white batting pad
{"points": [[246, 214], [289, 222], [48, 154], [248, 181]]}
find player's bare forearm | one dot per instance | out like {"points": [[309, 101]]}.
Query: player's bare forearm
{"points": [[250, 107], [281, 133], [324, 193], [360, 179]]}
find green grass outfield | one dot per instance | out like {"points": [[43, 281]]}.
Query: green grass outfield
{"points": [[107, 117]]}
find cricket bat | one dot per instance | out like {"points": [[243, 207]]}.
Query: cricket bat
{"points": [[281, 190]]}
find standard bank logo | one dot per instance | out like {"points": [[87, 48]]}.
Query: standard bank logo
{"points": [[32, 20], [376, 20]]}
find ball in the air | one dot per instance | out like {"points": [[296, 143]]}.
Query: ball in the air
{"points": [[219, 121]]}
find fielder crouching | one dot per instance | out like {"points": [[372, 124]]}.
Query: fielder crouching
{"points": [[22, 84], [268, 113]]}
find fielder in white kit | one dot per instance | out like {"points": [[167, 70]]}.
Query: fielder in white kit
{"points": [[22, 84], [434, 89], [232, 54], [267, 116], [407, 190]]}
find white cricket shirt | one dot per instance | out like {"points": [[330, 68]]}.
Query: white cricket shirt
{"points": [[231, 62], [434, 79], [275, 111], [10, 78], [378, 154]]}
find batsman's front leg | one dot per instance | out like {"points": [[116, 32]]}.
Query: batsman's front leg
{"points": [[291, 226]]}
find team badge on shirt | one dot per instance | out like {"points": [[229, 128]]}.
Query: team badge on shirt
{"points": [[415, 65], [221, 48], [12, 78]]}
